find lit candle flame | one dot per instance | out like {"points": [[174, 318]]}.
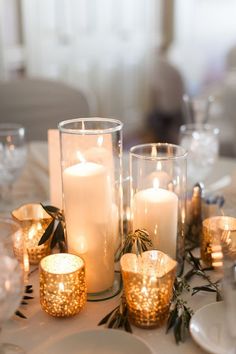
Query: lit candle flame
{"points": [[154, 151], [156, 183], [159, 166], [80, 156], [100, 140]]}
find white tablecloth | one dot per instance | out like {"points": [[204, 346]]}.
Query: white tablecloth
{"points": [[40, 327]]}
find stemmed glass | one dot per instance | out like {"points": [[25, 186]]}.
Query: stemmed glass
{"points": [[11, 280], [202, 143], [12, 157]]}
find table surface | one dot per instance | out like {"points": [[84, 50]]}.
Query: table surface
{"points": [[39, 327]]}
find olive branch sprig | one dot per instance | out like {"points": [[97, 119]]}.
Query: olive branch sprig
{"points": [[27, 291], [199, 270], [55, 230], [139, 241]]}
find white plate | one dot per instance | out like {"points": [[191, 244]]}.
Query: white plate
{"points": [[97, 341], [209, 330]]}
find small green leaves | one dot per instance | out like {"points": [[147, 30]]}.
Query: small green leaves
{"points": [[118, 317], [139, 241], [48, 233], [56, 235], [180, 314], [199, 270], [28, 290]]}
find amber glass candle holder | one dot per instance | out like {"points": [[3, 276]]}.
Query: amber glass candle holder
{"points": [[148, 285], [62, 284], [218, 240], [34, 220]]}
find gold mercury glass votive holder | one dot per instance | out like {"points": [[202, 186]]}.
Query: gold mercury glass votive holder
{"points": [[34, 220], [148, 286], [62, 284], [218, 240]]}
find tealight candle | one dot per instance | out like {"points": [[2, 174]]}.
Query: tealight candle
{"points": [[62, 284], [148, 285], [218, 240], [34, 220]]}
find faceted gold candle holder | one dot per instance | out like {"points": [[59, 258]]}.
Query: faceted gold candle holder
{"points": [[62, 284], [218, 240], [148, 285], [34, 220]]}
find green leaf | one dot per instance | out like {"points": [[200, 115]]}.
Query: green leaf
{"points": [[47, 234], [219, 297], [50, 208], [177, 330], [26, 297], [171, 319], [60, 232], [127, 326], [53, 240], [203, 288], [105, 319], [20, 314]]}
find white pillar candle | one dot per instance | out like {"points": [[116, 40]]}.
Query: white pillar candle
{"points": [[88, 209], [156, 210]]}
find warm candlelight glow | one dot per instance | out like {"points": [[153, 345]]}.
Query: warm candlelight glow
{"points": [[34, 220], [62, 284], [148, 282], [91, 151], [87, 193], [80, 156], [155, 209], [218, 240], [156, 183]]}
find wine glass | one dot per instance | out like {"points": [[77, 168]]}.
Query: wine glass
{"points": [[12, 157], [11, 280], [202, 143]]}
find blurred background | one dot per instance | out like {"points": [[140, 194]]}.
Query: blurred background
{"points": [[127, 59]]}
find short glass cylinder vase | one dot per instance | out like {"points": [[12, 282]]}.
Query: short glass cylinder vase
{"points": [[91, 159], [218, 241], [158, 195]]}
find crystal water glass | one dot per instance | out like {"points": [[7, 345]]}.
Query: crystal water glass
{"points": [[202, 143], [11, 280], [12, 157]]}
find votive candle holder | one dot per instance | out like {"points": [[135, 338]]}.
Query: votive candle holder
{"points": [[34, 220], [62, 284], [218, 240], [148, 286]]}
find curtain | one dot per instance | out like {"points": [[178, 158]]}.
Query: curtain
{"points": [[106, 48]]}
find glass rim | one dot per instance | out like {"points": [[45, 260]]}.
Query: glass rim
{"points": [[216, 220], [153, 158], [11, 128], [10, 222], [79, 268], [189, 128], [118, 125]]}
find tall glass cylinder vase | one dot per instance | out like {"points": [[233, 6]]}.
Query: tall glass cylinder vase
{"points": [[158, 195], [91, 153]]}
